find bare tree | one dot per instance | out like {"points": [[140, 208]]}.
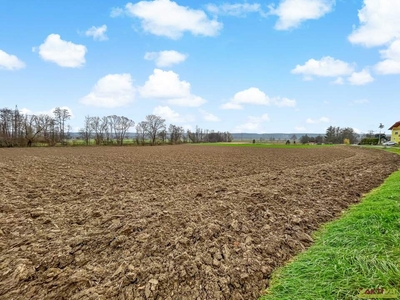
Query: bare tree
{"points": [[107, 133], [86, 132], [112, 122], [11, 128], [209, 136], [176, 133], [121, 127], [95, 124], [162, 135], [191, 136], [141, 132], [61, 116], [154, 125], [34, 125], [99, 127]]}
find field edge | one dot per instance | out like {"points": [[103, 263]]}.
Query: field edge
{"points": [[354, 254]]}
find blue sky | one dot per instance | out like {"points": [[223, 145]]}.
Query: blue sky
{"points": [[265, 67]]}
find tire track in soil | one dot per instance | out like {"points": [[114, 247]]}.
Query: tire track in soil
{"points": [[216, 239]]}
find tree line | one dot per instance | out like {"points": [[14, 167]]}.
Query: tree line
{"points": [[25, 130], [333, 135]]}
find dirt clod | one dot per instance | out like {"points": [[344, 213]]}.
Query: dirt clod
{"points": [[179, 222]]}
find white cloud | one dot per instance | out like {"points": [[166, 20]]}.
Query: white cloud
{"points": [[237, 9], [283, 102], [63, 53], [230, 105], [338, 81], [166, 85], [324, 119], [257, 97], [170, 115], [167, 18], [253, 124], [166, 58], [391, 59], [292, 13], [315, 121], [379, 23], [49, 112], [209, 117], [326, 67], [360, 78], [116, 12], [25, 111], [113, 90], [98, 33], [251, 96], [10, 62]]}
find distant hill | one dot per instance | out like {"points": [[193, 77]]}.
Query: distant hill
{"points": [[271, 136]]}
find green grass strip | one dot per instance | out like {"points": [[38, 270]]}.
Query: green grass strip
{"points": [[361, 250]]}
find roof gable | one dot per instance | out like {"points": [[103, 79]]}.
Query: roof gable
{"points": [[397, 124]]}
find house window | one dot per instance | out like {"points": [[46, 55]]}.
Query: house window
{"points": [[396, 132]]}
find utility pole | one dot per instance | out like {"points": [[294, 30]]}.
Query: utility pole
{"points": [[380, 128]]}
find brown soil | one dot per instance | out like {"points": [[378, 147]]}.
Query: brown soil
{"points": [[174, 222]]}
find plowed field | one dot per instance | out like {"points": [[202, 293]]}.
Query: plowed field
{"points": [[173, 222]]}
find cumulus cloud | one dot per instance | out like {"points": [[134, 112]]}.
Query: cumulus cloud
{"points": [[379, 23], [170, 115], [237, 9], [325, 67], [98, 33], [315, 121], [231, 105], [253, 124], [167, 18], [10, 62], [256, 97], [338, 81], [167, 86], [63, 53], [113, 90], [209, 117], [251, 96], [360, 78], [116, 12], [283, 102], [292, 13], [391, 59], [166, 58]]}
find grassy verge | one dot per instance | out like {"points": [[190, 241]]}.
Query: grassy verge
{"points": [[394, 150], [361, 250]]}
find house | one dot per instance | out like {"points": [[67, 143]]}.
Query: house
{"points": [[395, 132]]}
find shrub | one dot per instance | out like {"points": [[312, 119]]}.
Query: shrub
{"points": [[369, 141]]}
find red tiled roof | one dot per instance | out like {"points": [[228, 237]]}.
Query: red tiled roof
{"points": [[397, 124]]}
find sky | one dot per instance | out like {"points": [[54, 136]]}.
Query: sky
{"points": [[278, 66]]}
